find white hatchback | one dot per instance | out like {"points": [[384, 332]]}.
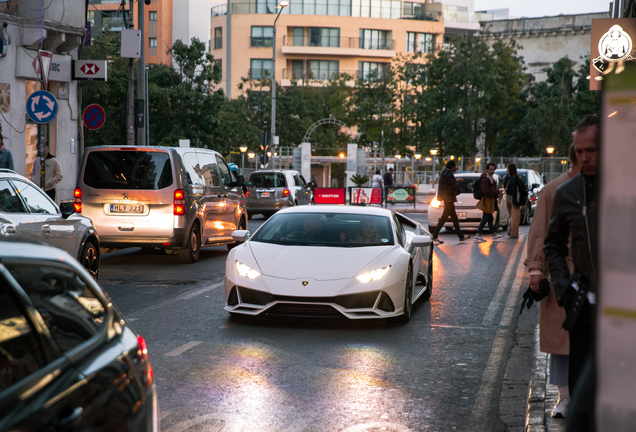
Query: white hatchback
{"points": [[469, 216]]}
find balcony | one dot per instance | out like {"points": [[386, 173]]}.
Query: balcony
{"points": [[341, 46], [219, 10], [319, 74]]}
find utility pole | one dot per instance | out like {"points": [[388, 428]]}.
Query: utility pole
{"points": [[141, 72], [130, 118]]}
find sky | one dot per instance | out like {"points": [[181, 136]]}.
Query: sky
{"points": [[538, 8]]}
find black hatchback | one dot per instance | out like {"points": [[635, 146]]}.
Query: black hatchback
{"points": [[68, 360]]}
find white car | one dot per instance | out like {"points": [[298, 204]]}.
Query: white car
{"points": [[469, 216], [324, 261]]}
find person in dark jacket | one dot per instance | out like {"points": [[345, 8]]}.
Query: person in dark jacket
{"points": [[516, 195], [448, 191], [573, 229], [489, 204]]}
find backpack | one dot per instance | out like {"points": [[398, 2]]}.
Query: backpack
{"points": [[477, 193]]}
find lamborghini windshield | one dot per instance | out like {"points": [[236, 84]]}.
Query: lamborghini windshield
{"points": [[326, 229]]}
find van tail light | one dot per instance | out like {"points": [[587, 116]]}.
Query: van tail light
{"points": [[178, 204], [77, 200], [285, 192], [148, 373], [247, 194]]}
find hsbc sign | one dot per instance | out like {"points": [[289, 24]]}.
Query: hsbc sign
{"points": [[89, 70]]}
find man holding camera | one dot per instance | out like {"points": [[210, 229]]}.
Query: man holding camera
{"points": [[573, 228]]}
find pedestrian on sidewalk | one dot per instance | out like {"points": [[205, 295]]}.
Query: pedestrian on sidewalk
{"points": [[489, 203], [388, 177], [447, 192], [554, 340], [6, 158], [516, 196], [573, 229], [52, 172]]}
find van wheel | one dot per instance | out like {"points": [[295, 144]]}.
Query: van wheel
{"points": [[191, 253], [242, 226], [90, 259]]}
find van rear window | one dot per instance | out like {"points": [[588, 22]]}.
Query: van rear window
{"points": [[268, 180], [121, 169]]}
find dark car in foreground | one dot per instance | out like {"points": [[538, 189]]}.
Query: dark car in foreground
{"points": [[68, 360]]}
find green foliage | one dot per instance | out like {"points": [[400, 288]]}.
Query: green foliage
{"points": [[359, 180]]}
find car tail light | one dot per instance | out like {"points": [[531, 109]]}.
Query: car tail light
{"points": [[285, 192], [77, 203], [148, 374], [178, 205], [247, 194]]}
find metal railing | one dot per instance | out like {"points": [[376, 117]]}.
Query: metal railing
{"points": [[319, 74], [218, 42], [219, 10], [261, 41], [260, 73], [338, 42], [425, 16]]}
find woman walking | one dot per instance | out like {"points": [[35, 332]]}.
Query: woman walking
{"points": [[516, 195]]}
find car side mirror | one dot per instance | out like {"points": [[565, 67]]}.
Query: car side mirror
{"points": [[67, 208], [241, 236], [534, 186], [422, 241]]}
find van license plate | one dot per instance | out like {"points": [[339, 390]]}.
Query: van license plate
{"points": [[125, 208], [264, 194], [461, 215]]}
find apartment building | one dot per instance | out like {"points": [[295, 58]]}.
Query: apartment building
{"points": [[165, 21], [318, 39]]}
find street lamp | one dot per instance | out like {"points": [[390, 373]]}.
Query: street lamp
{"points": [[433, 152], [397, 166], [281, 5], [251, 155], [550, 150], [415, 156], [243, 149]]}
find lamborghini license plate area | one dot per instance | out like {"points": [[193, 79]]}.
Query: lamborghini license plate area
{"points": [[126, 208], [461, 215]]}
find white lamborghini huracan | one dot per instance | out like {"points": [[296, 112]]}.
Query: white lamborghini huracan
{"points": [[321, 261]]}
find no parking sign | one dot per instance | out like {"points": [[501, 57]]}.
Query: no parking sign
{"points": [[94, 116]]}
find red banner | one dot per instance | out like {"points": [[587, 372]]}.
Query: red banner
{"points": [[329, 196], [366, 196]]}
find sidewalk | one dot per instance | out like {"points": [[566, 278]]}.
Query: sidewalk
{"points": [[541, 395], [421, 205]]}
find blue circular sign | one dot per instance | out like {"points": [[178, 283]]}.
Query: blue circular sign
{"points": [[41, 107]]}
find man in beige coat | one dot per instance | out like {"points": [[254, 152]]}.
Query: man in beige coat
{"points": [[553, 338]]}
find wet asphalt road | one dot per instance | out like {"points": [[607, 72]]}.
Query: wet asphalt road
{"points": [[461, 364]]}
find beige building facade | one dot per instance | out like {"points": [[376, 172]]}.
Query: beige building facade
{"points": [[318, 39]]}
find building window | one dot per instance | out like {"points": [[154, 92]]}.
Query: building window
{"points": [[375, 39], [410, 42], [152, 42], [261, 68], [90, 16], [262, 36], [298, 69], [218, 38], [376, 9], [371, 71], [424, 43], [322, 69], [323, 37], [413, 9], [299, 36], [152, 16]]}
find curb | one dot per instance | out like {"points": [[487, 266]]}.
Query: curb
{"points": [[535, 407]]}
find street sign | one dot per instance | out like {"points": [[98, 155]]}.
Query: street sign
{"points": [[95, 70], [41, 107], [42, 65], [25, 68], [94, 116]]}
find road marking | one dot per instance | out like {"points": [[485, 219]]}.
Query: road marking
{"points": [[495, 303], [506, 316], [185, 296], [183, 348], [458, 327], [479, 416], [228, 325]]}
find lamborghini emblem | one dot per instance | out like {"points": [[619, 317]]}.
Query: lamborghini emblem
{"points": [[305, 283]]}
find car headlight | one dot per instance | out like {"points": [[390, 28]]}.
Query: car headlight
{"points": [[245, 271], [436, 203], [373, 275]]}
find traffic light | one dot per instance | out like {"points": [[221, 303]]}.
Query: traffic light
{"points": [[264, 159]]}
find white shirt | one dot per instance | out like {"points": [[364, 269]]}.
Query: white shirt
{"points": [[376, 181]]}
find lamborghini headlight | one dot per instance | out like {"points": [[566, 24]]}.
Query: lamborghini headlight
{"points": [[245, 271], [436, 203], [373, 275]]}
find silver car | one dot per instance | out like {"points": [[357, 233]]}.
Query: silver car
{"points": [[271, 190], [28, 214], [177, 199]]}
